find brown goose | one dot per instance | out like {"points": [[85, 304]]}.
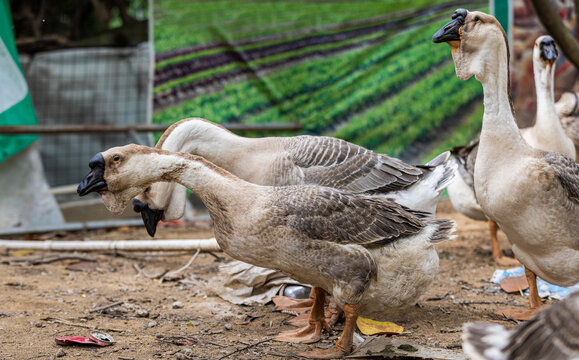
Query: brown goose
{"points": [[552, 334], [568, 111], [533, 195], [281, 161], [371, 253]]}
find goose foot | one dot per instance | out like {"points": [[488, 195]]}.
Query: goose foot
{"points": [[344, 344], [296, 305], [316, 322], [517, 314], [309, 334], [534, 300], [332, 314]]}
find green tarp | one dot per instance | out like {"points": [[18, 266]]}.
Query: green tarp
{"points": [[15, 104]]}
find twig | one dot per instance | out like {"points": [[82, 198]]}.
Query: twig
{"points": [[483, 302], [436, 298], [174, 273], [245, 348], [106, 306], [79, 325], [43, 260], [144, 273]]}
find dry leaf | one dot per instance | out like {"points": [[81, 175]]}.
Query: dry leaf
{"points": [[514, 284], [373, 327]]}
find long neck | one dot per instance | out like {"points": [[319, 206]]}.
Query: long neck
{"points": [[499, 129], [547, 119], [206, 139]]}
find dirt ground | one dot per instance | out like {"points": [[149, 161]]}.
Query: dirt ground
{"points": [[185, 319]]}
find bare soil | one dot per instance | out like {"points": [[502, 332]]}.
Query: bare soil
{"points": [[185, 319]]}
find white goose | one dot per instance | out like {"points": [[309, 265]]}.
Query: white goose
{"points": [[533, 195], [568, 111], [546, 134], [281, 161], [372, 254]]}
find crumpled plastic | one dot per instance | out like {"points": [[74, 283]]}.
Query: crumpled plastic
{"points": [[244, 284], [545, 289]]}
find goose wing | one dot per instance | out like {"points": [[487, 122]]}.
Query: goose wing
{"points": [[329, 214], [337, 163], [466, 156], [566, 172]]}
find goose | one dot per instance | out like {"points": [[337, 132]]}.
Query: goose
{"points": [[547, 133], [462, 196], [552, 334], [281, 161], [533, 195], [568, 111], [371, 253]]}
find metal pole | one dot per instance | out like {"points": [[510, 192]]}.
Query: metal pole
{"points": [[109, 128]]}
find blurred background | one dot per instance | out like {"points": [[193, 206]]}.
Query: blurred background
{"points": [[92, 74]]}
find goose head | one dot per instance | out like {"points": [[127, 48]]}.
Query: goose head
{"points": [[121, 173], [474, 38], [545, 55]]}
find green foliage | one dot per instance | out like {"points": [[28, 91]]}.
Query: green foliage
{"points": [[462, 135]]}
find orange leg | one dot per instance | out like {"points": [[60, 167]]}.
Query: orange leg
{"points": [[534, 300], [313, 330], [344, 344], [497, 253], [332, 315]]}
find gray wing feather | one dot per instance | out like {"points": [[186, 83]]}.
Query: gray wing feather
{"points": [[337, 163], [567, 172], [329, 214]]}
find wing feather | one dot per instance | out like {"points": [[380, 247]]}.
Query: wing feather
{"points": [[337, 163]]}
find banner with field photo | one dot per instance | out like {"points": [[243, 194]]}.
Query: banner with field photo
{"points": [[365, 71]]}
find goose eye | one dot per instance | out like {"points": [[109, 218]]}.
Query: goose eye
{"points": [[116, 158], [476, 18]]}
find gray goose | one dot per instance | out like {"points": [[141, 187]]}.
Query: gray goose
{"points": [[280, 161], [533, 195], [371, 253], [552, 334]]}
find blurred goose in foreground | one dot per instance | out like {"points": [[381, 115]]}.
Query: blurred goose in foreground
{"points": [[552, 334], [462, 196], [371, 253], [533, 195], [281, 161], [547, 133], [568, 111]]}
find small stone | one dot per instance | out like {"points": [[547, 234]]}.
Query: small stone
{"points": [[180, 356], [228, 326], [154, 315], [177, 305], [152, 324], [60, 353], [142, 313]]}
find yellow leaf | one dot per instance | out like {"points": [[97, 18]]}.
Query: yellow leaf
{"points": [[21, 252], [373, 327]]}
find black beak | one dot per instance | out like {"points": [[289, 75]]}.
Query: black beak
{"points": [[548, 50], [451, 31], [150, 217], [94, 180]]}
